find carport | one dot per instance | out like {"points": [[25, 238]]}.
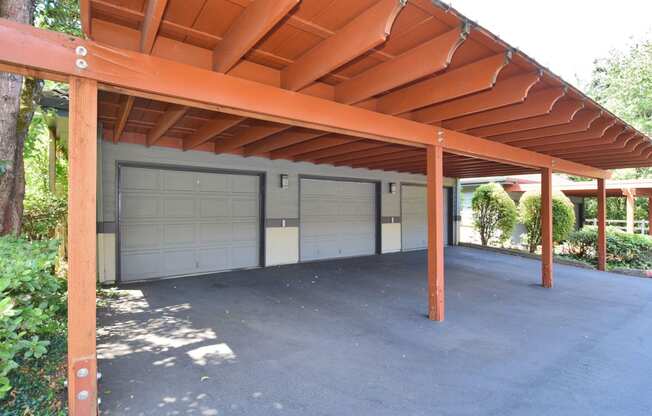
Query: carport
{"points": [[374, 92]]}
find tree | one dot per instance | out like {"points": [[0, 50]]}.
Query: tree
{"points": [[494, 213], [19, 99], [563, 217]]}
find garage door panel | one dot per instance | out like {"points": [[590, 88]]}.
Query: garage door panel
{"points": [[179, 181], [179, 261], [215, 208], [139, 206], [212, 183], [179, 222], [215, 232], [141, 265], [179, 208], [139, 179], [244, 207], [178, 234], [140, 236], [243, 256], [244, 231], [414, 217], [244, 184], [337, 219], [213, 259]]}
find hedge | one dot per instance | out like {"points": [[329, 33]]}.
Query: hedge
{"points": [[632, 251]]}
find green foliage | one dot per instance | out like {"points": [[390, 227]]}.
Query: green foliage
{"points": [[623, 84], [58, 15], [627, 250], [31, 300], [494, 213], [616, 208], [42, 214], [563, 217]]}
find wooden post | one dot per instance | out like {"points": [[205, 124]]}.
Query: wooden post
{"points": [[435, 165], [82, 362], [602, 225], [547, 245], [630, 206], [649, 215]]}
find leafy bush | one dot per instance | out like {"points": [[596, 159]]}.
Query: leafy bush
{"points": [[563, 217], [494, 213], [633, 251], [42, 214], [31, 301]]}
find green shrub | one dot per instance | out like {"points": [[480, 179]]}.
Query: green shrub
{"points": [[42, 214], [626, 250], [31, 302], [563, 217], [494, 213]]}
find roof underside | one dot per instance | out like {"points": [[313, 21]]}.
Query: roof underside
{"points": [[432, 68]]}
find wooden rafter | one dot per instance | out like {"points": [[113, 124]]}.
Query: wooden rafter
{"points": [[165, 122], [510, 91], [211, 129], [562, 113], [52, 54], [472, 78], [280, 140], [426, 59], [151, 24], [252, 24], [536, 104], [126, 104], [581, 122], [363, 33], [311, 146], [337, 151], [595, 131], [248, 136], [379, 150]]}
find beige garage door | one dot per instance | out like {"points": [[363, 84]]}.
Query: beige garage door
{"points": [[175, 223], [414, 220], [337, 219]]}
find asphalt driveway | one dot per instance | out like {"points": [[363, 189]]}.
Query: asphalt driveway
{"points": [[350, 337]]}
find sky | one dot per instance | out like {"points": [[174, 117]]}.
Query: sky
{"points": [[566, 36]]}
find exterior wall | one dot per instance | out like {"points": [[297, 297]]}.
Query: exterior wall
{"points": [[281, 205]]}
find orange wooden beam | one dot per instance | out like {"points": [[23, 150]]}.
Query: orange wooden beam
{"points": [[211, 129], [310, 146], [427, 58], [468, 79], [597, 130], [536, 104], [608, 137], [547, 243], [581, 122], [248, 29], [165, 122], [562, 113], [380, 150], [403, 154], [337, 151], [281, 140], [510, 91], [50, 53], [126, 105], [82, 242], [151, 23], [618, 140], [435, 193], [250, 135], [602, 225], [85, 17], [363, 33]]}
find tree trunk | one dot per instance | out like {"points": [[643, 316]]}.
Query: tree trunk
{"points": [[14, 124]]}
